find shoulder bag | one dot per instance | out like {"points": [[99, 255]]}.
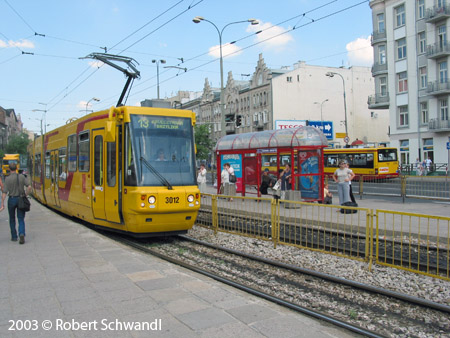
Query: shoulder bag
{"points": [[232, 178], [24, 202]]}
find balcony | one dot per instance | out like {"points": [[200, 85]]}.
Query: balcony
{"points": [[438, 125], [438, 87], [438, 50], [258, 124], [230, 128], [437, 13], [378, 36], [378, 101], [379, 68]]}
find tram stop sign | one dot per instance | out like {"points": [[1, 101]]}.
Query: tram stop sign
{"points": [[448, 145], [346, 139]]}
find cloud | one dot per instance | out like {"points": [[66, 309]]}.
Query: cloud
{"points": [[227, 50], [95, 64], [20, 44], [271, 36], [360, 52]]}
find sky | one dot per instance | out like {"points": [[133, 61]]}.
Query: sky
{"points": [[44, 75]]}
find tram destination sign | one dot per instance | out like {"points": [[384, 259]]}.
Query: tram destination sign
{"points": [[325, 126]]}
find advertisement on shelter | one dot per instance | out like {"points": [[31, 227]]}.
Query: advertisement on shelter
{"points": [[235, 161], [309, 174]]}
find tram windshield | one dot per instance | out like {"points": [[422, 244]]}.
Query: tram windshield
{"points": [[159, 151]]}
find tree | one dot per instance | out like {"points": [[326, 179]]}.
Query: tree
{"points": [[17, 144], [203, 141]]}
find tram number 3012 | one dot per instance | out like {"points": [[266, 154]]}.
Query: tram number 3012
{"points": [[170, 200]]}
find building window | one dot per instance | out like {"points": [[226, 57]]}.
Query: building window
{"points": [[403, 116], [289, 79], [401, 49], [428, 148], [380, 21], [402, 82], [421, 8], [443, 72], [404, 151], [400, 16], [422, 43], [382, 54], [443, 108], [424, 112], [442, 36], [383, 86], [423, 77]]}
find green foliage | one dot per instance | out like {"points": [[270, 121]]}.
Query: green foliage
{"points": [[353, 314], [203, 141], [17, 144], [2, 154]]}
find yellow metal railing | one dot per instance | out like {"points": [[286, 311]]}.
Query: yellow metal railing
{"points": [[423, 187], [414, 242]]}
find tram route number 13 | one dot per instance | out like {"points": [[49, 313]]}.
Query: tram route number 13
{"points": [[170, 200]]}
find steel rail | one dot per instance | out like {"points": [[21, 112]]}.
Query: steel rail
{"points": [[252, 291], [340, 280]]}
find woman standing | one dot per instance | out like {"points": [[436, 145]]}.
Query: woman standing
{"points": [[229, 188], [201, 179], [342, 177], [285, 180]]}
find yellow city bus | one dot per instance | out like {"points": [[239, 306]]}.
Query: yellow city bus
{"points": [[7, 160], [371, 162]]}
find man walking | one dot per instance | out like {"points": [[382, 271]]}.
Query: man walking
{"points": [[14, 187]]}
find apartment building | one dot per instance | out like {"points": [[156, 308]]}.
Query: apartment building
{"points": [[333, 99], [410, 70]]}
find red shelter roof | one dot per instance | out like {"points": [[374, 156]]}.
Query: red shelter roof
{"points": [[294, 137]]}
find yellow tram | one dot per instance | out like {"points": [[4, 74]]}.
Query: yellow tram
{"points": [[129, 169]]}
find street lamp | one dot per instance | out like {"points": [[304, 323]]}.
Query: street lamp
{"points": [[321, 117], [157, 72], [43, 118], [87, 103], [331, 74], [198, 19]]}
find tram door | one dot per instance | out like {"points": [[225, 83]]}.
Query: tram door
{"points": [[49, 177], [105, 202], [98, 188]]}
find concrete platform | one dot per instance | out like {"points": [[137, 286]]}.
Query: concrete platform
{"points": [[69, 281]]}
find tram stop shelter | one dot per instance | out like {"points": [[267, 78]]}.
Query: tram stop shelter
{"points": [[251, 153]]}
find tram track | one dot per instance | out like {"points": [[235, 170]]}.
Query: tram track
{"points": [[366, 310]]}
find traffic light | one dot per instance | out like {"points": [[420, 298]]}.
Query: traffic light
{"points": [[238, 120]]}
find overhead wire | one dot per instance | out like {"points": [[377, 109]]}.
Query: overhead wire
{"points": [[145, 25], [20, 16], [173, 18], [161, 26], [262, 41]]}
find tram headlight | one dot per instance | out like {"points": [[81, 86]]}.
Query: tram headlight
{"points": [[152, 199], [190, 198]]}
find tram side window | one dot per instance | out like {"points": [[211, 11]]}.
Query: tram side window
{"points": [[37, 165], [62, 164], [111, 164], [83, 151], [47, 164], [72, 151]]}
